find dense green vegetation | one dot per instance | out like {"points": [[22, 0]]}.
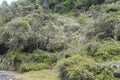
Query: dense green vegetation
{"points": [[78, 38]]}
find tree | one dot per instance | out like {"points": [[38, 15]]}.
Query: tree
{"points": [[5, 12]]}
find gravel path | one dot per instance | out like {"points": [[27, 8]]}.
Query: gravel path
{"points": [[7, 75]]}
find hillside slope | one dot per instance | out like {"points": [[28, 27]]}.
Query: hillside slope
{"points": [[78, 38]]}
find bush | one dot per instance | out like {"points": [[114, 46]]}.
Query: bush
{"points": [[15, 34], [92, 47], [33, 67], [77, 68], [64, 6], [13, 60], [68, 5], [84, 68], [105, 29], [50, 37], [111, 1], [105, 51], [35, 31], [38, 60], [3, 48], [46, 57], [118, 33], [19, 24]]}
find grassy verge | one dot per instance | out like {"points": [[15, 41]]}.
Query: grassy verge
{"points": [[39, 75]]}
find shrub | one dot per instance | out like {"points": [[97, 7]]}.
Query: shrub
{"points": [[15, 34], [13, 60], [3, 48], [107, 50], [85, 68], [19, 24], [77, 68], [92, 47], [105, 29], [64, 6], [46, 57], [33, 67], [38, 60], [117, 32], [50, 37], [35, 31], [111, 1]]}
